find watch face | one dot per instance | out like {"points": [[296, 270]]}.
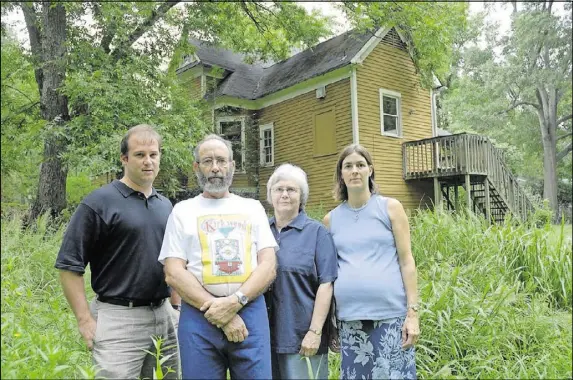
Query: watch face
{"points": [[243, 300]]}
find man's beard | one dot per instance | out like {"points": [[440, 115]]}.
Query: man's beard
{"points": [[218, 186]]}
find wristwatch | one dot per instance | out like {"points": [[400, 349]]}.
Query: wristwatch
{"points": [[243, 300], [414, 307]]}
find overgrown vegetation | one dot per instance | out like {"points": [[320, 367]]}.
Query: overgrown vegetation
{"points": [[496, 301]]}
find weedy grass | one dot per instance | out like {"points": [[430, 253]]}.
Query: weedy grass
{"points": [[496, 301]]}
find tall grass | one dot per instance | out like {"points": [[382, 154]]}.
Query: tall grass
{"points": [[496, 301], [39, 332]]}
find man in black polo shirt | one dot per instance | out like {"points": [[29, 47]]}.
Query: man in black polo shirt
{"points": [[118, 230]]}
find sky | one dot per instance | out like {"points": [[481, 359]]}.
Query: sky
{"points": [[16, 18]]}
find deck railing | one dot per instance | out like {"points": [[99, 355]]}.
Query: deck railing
{"points": [[465, 154]]}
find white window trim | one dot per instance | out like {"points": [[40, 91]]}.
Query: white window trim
{"points": [[262, 129], [398, 96], [242, 120]]}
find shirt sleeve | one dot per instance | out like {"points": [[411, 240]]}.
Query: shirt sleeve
{"points": [[174, 239], [264, 235], [326, 258], [85, 230]]}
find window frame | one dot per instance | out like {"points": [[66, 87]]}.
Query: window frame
{"points": [[395, 95], [262, 155], [224, 119]]}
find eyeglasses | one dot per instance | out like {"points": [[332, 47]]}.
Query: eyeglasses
{"points": [[208, 162], [289, 190]]}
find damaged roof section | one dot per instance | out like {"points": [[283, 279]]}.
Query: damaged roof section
{"points": [[253, 81]]}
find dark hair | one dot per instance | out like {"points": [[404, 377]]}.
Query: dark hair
{"points": [[340, 191], [148, 132]]}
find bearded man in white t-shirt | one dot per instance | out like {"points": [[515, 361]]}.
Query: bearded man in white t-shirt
{"points": [[219, 255]]}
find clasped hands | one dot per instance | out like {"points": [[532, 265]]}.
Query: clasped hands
{"points": [[222, 312]]}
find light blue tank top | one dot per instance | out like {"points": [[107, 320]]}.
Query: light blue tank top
{"points": [[369, 284]]}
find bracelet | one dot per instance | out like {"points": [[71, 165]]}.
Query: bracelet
{"points": [[176, 307], [317, 331], [414, 306]]}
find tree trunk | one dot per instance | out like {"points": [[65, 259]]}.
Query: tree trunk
{"points": [[54, 106], [550, 174]]}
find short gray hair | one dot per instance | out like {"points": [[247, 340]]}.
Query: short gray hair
{"points": [[289, 172], [212, 137]]}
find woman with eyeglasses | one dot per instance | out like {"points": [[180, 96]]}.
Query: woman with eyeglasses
{"points": [[376, 290], [299, 299]]}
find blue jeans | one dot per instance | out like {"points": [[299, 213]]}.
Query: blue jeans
{"points": [[206, 353]]}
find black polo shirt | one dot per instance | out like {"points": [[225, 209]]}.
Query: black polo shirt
{"points": [[119, 233]]}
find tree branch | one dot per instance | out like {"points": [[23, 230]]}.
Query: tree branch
{"points": [[252, 17], [564, 136], [22, 110], [120, 51], [109, 32], [15, 89], [564, 152], [32, 26], [563, 119], [515, 105]]}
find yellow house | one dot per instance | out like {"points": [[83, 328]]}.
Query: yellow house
{"points": [[353, 88]]}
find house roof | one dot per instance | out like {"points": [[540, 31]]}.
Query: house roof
{"points": [[253, 81]]}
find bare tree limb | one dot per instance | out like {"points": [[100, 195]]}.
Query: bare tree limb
{"points": [[33, 27], [564, 152], [120, 51], [563, 119], [564, 136]]}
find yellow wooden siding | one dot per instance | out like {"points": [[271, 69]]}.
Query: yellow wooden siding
{"points": [[293, 141], [392, 69]]}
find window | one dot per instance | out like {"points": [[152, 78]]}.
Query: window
{"points": [[391, 121], [324, 132], [267, 144], [233, 129]]}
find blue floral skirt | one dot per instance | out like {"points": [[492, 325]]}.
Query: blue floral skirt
{"points": [[373, 350]]}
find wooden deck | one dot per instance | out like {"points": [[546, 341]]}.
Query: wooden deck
{"points": [[472, 162]]}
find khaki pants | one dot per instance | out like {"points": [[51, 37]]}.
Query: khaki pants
{"points": [[123, 333]]}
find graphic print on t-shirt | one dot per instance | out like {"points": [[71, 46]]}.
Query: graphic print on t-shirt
{"points": [[226, 242]]}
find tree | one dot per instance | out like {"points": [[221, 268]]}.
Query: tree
{"points": [[432, 29], [95, 81], [518, 88], [20, 118]]}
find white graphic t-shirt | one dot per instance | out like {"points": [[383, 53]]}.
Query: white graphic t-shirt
{"points": [[219, 238]]}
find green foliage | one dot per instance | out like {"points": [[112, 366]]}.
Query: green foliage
{"points": [[433, 29], [160, 359], [502, 85], [39, 332], [21, 152], [262, 30], [77, 187], [496, 301], [493, 299]]}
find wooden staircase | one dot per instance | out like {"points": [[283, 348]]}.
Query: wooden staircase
{"points": [[472, 163]]}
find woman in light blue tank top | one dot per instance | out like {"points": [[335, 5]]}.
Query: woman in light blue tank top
{"points": [[376, 290]]}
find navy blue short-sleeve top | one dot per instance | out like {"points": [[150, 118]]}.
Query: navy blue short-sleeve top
{"points": [[306, 258]]}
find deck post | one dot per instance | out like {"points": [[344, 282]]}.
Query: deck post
{"points": [[468, 193], [487, 200], [437, 195], [456, 197]]}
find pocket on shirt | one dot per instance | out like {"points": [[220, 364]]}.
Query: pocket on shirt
{"points": [[296, 260]]}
